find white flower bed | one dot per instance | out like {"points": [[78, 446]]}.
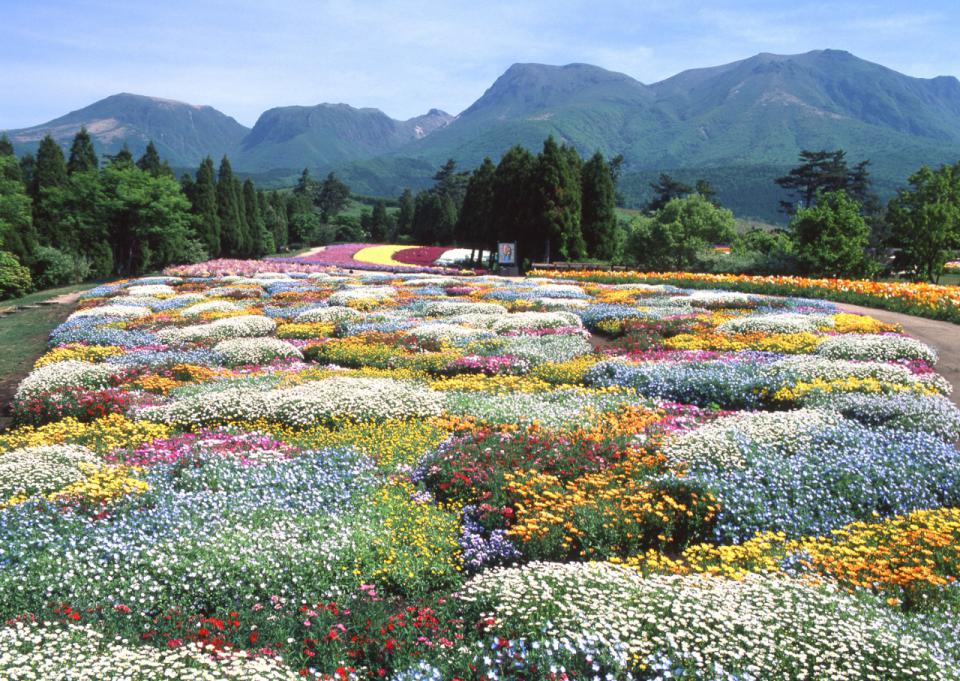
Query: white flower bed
{"points": [[36, 651], [150, 290], [515, 321], [244, 326], [316, 401], [763, 626], [562, 303], [877, 347], [255, 350], [334, 313], [447, 332], [720, 442], [362, 293], [42, 470], [787, 322], [69, 373], [443, 308], [210, 306], [118, 311]]}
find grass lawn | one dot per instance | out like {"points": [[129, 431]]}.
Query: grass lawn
{"points": [[23, 335]]}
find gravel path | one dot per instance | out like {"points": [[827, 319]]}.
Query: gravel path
{"points": [[944, 336]]}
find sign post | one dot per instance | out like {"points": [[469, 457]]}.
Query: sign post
{"points": [[507, 257]]}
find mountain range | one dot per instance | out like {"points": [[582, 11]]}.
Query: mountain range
{"points": [[738, 125]]}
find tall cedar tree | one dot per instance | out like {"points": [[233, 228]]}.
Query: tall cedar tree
{"points": [[513, 202], [476, 226], [50, 173], [261, 243], [557, 208], [379, 222], [405, 216], [122, 158], [599, 214], [83, 157], [6, 146], [245, 245], [204, 198], [278, 222], [231, 238], [150, 162]]}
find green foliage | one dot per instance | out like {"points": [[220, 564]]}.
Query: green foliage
{"points": [[331, 197], [678, 232], [405, 216], [16, 221], [926, 220], [58, 268], [147, 217], [476, 223], [228, 211], [601, 229], [83, 157], [204, 206], [556, 211], [14, 277], [831, 237]]}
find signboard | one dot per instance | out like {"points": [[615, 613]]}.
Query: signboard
{"points": [[507, 253]]}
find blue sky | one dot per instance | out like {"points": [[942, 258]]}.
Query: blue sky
{"points": [[244, 56]]}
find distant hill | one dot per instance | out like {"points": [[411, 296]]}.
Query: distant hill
{"points": [[183, 133], [737, 125], [296, 137]]}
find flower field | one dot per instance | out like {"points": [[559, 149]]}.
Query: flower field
{"points": [[921, 299], [279, 470], [428, 259]]}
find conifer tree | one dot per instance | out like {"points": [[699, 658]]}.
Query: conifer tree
{"points": [[557, 210], [598, 211], [245, 243], [261, 242], [50, 174], [83, 157], [6, 146], [123, 158], [513, 204], [278, 223], [405, 216], [476, 225], [204, 200], [228, 211], [150, 161]]}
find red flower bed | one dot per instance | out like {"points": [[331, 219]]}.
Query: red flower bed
{"points": [[423, 256]]}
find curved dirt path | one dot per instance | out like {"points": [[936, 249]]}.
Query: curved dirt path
{"points": [[944, 336]]}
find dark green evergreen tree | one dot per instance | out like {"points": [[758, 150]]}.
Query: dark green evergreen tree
{"points": [[83, 157], [557, 208], [50, 174], [380, 223], [665, 190], [122, 158], [204, 200], [261, 241], [599, 214], [150, 161], [277, 220], [331, 197], [476, 226], [405, 215], [6, 146], [228, 211], [513, 202], [819, 172], [245, 244]]}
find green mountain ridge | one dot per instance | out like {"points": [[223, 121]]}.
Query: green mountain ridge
{"points": [[731, 124]]}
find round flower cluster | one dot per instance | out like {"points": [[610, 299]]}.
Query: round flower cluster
{"points": [[255, 350], [877, 348], [118, 311], [41, 470], [69, 373], [210, 306], [243, 326]]}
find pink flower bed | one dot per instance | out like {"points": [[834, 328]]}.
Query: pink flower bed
{"points": [[340, 255], [424, 256]]}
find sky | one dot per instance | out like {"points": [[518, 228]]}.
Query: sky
{"points": [[404, 57]]}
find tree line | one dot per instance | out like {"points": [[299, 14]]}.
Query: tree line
{"points": [[554, 205], [74, 217]]}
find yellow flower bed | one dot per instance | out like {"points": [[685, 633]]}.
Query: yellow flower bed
{"points": [[305, 330], [103, 484], [381, 255], [391, 443], [844, 322], [849, 385], [104, 434], [900, 558], [793, 343], [85, 353]]}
